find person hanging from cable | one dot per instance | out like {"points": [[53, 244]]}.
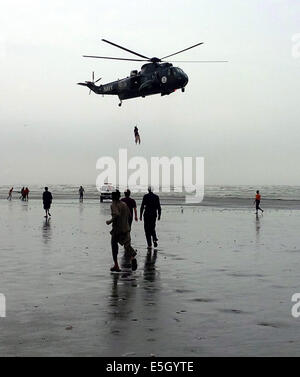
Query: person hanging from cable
{"points": [[137, 135]]}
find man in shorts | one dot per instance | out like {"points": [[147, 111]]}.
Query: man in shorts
{"points": [[120, 233]]}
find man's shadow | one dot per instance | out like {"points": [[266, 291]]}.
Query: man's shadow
{"points": [[122, 295], [46, 230], [258, 225], [149, 266]]}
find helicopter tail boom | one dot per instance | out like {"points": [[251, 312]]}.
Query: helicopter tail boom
{"points": [[90, 85]]}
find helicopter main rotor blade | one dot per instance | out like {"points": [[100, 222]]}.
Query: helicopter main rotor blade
{"points": [[198, 61], [97, 80], [198, 44], [107, 57], [125, 49]]}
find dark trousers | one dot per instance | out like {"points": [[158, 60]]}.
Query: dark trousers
{"points": [[257, 205], [130, 221], [149, 226]]}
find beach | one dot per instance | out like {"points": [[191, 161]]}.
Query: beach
{"points": [[220, 283]]}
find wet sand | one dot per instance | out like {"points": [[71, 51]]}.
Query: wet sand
{"points": [[220, 283]]}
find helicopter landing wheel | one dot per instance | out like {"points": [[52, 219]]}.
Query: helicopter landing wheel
{"points": [[183, 90], [120, 104]]}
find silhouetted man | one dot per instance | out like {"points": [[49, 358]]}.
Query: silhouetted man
{"points": [[26, 193], [47, 201], [10, 194], [22, 193], [152, 208], [81, 191]]}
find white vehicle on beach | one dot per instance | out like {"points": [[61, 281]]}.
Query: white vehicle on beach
{"points": [[106, 192]]}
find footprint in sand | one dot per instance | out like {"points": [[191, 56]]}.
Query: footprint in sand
{"points": [[230, 311], [272, 324], [206, 300]]}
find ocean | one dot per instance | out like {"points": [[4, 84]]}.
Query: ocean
{"points": [[276, 192]]}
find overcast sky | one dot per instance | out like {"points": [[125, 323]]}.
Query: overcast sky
{"points": [[243, 116]]}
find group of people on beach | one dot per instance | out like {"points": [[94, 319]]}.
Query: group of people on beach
{"points": [[24, 194], [122, 213]]}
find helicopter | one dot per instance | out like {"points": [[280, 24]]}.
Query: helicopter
{"points": [[157, 76]]}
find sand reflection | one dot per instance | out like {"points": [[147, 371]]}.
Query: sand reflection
{"points": [[46, 231]]}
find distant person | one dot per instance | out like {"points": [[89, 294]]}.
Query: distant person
{"points": [[137, 135], [81, 191], [10, 194], [47, 201], [22, 193], [26, 194], [120, 233], [131, 205], [257, 202], [152, 208]]}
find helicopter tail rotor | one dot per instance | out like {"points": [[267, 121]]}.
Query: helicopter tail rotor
{"points": [[90, 84], [93, 80]]}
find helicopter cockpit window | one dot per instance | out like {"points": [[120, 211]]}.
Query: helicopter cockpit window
{"points": [[133, 73]]}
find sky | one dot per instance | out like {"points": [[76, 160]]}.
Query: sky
{"points": [[241, 116]]}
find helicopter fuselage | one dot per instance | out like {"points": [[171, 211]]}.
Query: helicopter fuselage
{"points": [[154, 78]]}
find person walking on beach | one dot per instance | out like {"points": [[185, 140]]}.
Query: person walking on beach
{"points": [[120, 233], [131, 205], [151, 205], [10, 194], [47, 201], [22, 193], [26, 194], [257, 202], [81, 191], [137, 135]]}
